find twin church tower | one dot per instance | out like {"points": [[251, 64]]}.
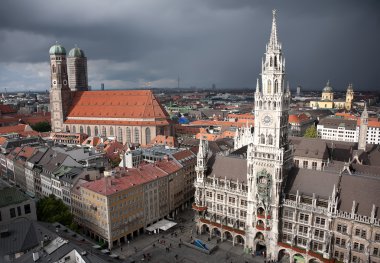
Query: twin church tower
{"points": [[67, 74]]}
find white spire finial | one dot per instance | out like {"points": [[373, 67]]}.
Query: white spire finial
{"points": [[273, 36]]}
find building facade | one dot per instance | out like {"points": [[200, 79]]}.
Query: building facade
{"points": [[133, 116], [315, 203], [328, 102]]}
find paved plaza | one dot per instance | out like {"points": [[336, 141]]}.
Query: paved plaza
{"points": [[169, 246]]}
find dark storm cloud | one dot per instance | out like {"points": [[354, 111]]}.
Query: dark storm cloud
{"points": [[129, 43]]}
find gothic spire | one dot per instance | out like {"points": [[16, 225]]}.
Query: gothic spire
{"points": [[273, 42], [257, 86]]}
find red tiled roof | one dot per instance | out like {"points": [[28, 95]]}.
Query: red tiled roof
{"points": [[14, 129], [132, 177], [6, 109], [3, 140], [165, 140], [298, 118], [117, 104]]}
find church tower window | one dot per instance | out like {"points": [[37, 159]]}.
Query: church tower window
{"points": [[262, 139], [120, 134], [269, 87], [270, 139], [129, 136], [137, 135], [147, 135], [276, 86]]}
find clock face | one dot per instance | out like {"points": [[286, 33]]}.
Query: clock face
{"points": [[267, 119]]}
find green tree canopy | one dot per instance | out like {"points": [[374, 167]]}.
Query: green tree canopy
{"points": [[42, 126], [51, 209], [311, 132]]}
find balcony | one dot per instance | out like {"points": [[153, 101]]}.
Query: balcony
{"points": [[263, 216], [199, 208], [262, 227]]}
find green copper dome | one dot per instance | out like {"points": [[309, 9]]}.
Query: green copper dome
{"points": [[328, 88], [76, 52], [57, 50]]}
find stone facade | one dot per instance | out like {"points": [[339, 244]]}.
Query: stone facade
{"points": [[317, 211]]}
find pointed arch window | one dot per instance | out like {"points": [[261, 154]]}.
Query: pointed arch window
{"points": [[276, 86], [137, 135], [270, 61], [275, 61], [53, 69], [96, 133], [262, 139], [269, 87], [129, 136], [67, 128], [88, 131], [270, 139], [120, 134], [74, 129], [81, 129], [111, 131], [147, 135], [104, 131]]}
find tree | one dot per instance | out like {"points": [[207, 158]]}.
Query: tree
{"points": [[51, 209], [42, 126], [311, 132]]}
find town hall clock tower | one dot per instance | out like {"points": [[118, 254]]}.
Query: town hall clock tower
{"points": [[269, 156]]}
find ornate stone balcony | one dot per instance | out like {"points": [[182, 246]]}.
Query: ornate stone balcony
{"points": [[199, 208]]}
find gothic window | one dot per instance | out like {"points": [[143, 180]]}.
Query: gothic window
{"points": [[262, 139], [67, 128], [104, 131], [74, 129], [276, 86], [53, 68], [274, 105], [269, 87], [147, 135], [270, 61], [269, 105], [81, 129], [275, 61], [270, 139], [89, 131], [120, 134], [111, 131], [129, 136], [137, 135], [96, 133]]}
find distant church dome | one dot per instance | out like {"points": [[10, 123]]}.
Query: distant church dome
{"points": [[57, 50], [328, 88], [76, 52]]}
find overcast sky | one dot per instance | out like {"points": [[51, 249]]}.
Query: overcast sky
{"points": [[131, 42]]}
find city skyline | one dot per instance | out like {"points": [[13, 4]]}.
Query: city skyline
{"points": [[131, 44]]}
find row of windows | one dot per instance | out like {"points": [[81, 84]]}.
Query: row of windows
{"points": [[119, 132]]}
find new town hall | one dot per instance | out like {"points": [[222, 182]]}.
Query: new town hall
{"points": [[300, 200]]}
